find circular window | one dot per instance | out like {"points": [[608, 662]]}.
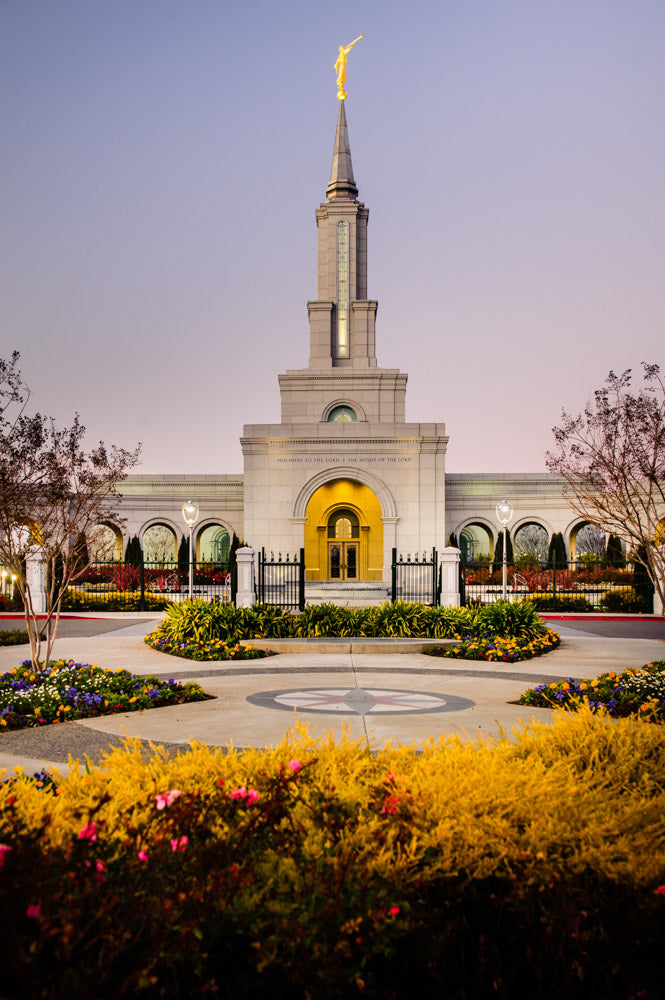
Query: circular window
{"points": [[342, 415]]}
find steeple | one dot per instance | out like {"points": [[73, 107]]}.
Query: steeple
{"points": [[341, 319], [342, 185]]}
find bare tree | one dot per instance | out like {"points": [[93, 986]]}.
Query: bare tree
{"points": [[51, 492], [612, 457]]}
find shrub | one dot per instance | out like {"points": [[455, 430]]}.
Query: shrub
{"points": [[13, 637], [202, 621], [510, 618], [564, 602], [622, 599], [529, 866], [79, 600], [133, 552]]}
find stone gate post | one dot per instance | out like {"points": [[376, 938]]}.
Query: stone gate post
{"points": [[450, 558], [246, 593]]}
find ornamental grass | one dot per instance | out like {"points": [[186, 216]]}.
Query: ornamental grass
{"points": [[63, 691], [635, 690], [525, 866], [204, 621]]}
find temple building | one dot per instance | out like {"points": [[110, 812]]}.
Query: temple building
{"points": [[342, 474]]}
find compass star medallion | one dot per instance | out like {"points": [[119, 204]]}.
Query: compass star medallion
{"points": [[359, 701]]}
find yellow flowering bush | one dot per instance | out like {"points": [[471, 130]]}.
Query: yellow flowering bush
{"points": [[330, 869]]}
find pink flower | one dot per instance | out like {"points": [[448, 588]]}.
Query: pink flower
{"points": [[89, 832], [294, 765], [660, 891], [242, 793], [4, 849], [179, 845], [393, 911], [142, 855], [167, 798], [33, 911], [100, 866]]}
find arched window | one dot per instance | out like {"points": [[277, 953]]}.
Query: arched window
{"points": [[342, 415], [531, 543], [159, 544], [343, 523]]}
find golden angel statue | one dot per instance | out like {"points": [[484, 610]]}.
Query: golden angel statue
{"points": [[340, 67]]}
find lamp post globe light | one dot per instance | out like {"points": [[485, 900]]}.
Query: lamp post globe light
{"points": [[190, 513], [504, 512]]}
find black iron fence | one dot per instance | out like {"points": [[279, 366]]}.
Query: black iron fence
{"points": [[146, 586], [576, 586], [281, 581], [416, 578]]}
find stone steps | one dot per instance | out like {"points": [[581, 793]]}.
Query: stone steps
{"points": [[351, 594]]}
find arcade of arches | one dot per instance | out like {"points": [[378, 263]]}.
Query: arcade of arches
{"points": [[343, 533]]}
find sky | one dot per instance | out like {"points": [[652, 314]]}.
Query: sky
{"points": [[163, 160]]}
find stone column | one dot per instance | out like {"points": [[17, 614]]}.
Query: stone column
{"points": [[246, 594], [389, 543], [450, 558], [35, 578]]}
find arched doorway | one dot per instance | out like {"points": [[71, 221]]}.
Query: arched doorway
{"points": [[343, 533], [476, 543], [214, 543]]}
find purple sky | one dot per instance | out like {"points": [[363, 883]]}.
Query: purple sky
{"points": [[163, 161]]}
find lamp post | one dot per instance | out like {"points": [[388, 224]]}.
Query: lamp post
{"points": [[190, 513], [504, 512]]}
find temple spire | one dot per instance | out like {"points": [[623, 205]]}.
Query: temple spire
{"points": [[342, 186]]}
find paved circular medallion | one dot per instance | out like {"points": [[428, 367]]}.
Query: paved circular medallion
{"points": [[359, 701]]}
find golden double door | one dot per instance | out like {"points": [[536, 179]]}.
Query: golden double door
{"points": [[342, 560]]}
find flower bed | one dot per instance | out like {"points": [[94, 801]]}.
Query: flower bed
{"points": [[65, 690], [529, 866], [215, 649], [496, 648], [633, 691]]}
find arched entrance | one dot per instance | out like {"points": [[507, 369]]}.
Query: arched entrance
{"points": [[343, 533]]}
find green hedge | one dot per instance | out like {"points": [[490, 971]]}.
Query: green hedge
{"points": [[126, 601]]}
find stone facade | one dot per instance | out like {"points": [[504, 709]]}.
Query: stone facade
{"points": [[343, 474], [343, 418]]}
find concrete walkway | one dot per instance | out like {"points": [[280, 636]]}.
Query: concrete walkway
{"points": [[471, 698]]}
